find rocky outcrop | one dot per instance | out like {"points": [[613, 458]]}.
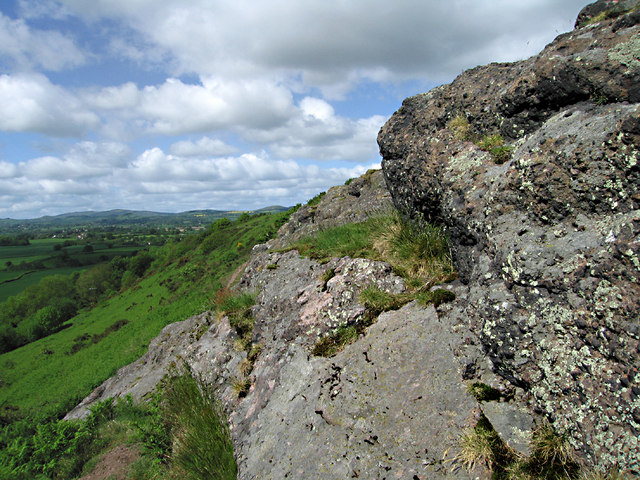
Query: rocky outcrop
{"points": [[361, 198], [390, 405], [547, 242]]}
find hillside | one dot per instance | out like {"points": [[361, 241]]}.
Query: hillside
{"points": [[123, 219], [470, 311]]}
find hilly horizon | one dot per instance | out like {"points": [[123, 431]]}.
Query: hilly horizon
{"points": [[126, 218]]}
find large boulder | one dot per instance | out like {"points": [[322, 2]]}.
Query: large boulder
{"points": [[547, 242]]}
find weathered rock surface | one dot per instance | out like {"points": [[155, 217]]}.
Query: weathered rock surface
{"points": [[206, 348], [390, 405], [363, 197], [546, 243]]}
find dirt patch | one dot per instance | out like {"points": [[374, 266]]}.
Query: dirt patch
{"points": [[114, 465]]}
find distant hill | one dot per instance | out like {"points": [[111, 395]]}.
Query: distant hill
{"points": [[125, 219]]}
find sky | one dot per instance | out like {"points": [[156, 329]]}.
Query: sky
{"points": [[175, 105]]}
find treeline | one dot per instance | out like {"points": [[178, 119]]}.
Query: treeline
{"points": [[43, 308], [14, 240]]}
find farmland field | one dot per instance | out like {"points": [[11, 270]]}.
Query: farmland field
{"points": [[24, 265]]}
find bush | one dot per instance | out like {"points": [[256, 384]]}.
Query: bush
{"points": [[140, 263]]}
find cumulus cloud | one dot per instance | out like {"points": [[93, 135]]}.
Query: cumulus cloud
{"points": [[316, 132], [28, 48], [31, 103], [105, 176], [333, 46], [205, 146], [263, 76]]}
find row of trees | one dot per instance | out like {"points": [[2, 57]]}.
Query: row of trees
{"points": [[43, 308]]}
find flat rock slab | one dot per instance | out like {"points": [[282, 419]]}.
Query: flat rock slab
{"points": [[389, 406]]}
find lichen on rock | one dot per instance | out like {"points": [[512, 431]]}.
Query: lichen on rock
{"points": [[547, 243]]}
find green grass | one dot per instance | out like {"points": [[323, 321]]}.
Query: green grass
{"points": [[11, 288], [181, 283], [551, 458], [419, 252], [201, 443]]}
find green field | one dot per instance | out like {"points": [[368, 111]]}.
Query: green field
{"points": [[52, 374], [28, 264]]}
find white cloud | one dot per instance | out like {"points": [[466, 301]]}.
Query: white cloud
{"points": [[159, 181], [31, 103], [264, 74], [28, 48], [316, 132], [334, 45], [205, 146]]}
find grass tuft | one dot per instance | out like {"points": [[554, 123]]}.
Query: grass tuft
{"points": [[335, 341], [482, 445], [483, 392], [201, 447]]}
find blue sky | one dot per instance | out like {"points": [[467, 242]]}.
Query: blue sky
{"points": [[173, 105]]}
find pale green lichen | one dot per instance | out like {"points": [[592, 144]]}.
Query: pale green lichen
{"points": [[627, 53]]}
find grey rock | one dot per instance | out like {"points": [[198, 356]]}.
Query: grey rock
{"points": [[364, 197], [205, 347], [390, 405], [547, 243], [513, 423]]}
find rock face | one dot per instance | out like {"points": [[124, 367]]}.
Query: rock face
{"points": [[390, 405], [546, 243]]}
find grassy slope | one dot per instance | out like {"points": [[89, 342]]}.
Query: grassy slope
{"points": [[45, 378]]}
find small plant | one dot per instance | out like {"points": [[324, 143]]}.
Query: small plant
{"points": [[272, 266], [335, 341], [436, 297], [326, 276], [501, 154], [460, 127], [495, 145], [482, 445], [377, 301], [241, 386], [551, 456], [201, 447], [483, 392]]}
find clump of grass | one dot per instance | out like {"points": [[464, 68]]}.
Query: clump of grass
{"points": [[482, 445], [237, 308], [460, 127], [377, 301], [335, 341], [201, 447], [614, 12], [483, 392], [552, 458], [326, 276], [495, 145], [241, 386], [436, 297]]}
